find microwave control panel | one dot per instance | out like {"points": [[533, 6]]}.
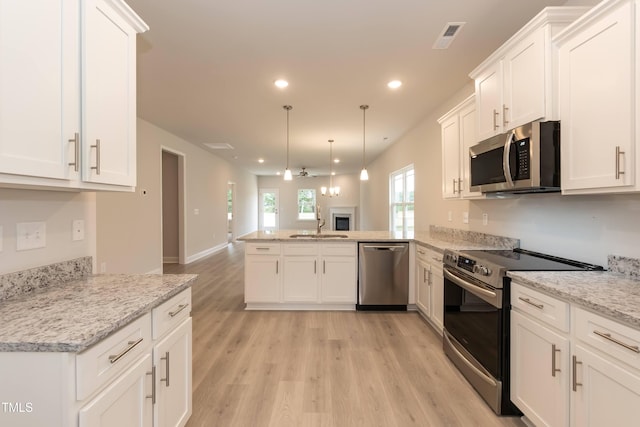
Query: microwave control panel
{"points": [[523, 156]]}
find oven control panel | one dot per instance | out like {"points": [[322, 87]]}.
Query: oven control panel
{"points": [[467, 264]]}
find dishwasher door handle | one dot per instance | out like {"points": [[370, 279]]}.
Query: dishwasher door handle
{"points": [[383, 248]]}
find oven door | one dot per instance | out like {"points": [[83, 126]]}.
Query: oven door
{"points": [[473, 317]]}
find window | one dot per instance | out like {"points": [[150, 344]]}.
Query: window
{"points": [[401, 202], [306, 204]]}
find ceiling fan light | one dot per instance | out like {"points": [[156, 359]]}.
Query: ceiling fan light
{"points": [[287, 175], [364, 175]]}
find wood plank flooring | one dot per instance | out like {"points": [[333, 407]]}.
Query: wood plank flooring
{"points": [[253, 368]]}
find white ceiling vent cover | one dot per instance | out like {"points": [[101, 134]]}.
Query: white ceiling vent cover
{"points": [[447, 35], [219, 146]]}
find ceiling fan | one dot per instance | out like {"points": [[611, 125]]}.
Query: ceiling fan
{"points": [[304, 174]]}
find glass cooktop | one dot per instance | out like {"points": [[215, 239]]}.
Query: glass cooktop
{"points": [[523, 260]]}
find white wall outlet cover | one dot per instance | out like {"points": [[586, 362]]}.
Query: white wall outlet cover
{"points": [[31, 235], [465, 217], [485, 219], [77, 231], [196, 211], [450, 216]]}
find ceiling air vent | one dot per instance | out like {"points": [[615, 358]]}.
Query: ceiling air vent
{"points": [[219, 146], [447, 35]]}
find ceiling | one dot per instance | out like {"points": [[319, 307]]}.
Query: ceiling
{"points": [[206, 71]]}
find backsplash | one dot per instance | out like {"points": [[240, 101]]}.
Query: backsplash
{"points": [[630, 267], [454, 234], [20, 282]]}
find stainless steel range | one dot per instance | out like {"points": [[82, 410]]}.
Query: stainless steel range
{"points": [[476, 314]]}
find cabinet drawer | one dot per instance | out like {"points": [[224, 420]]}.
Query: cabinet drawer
{"points": [[262, 248], [428, 255], [170, 313], [542, 307], [339, 249], [300, 248], [614, 339], [108, 358]]}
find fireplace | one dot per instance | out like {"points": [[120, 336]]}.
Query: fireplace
{"points": [[343, 218]]}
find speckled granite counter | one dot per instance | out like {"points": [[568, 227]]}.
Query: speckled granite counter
{"points": [[610, 294], [437, 238], [72, 316]]}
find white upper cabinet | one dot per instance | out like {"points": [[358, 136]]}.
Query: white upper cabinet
{"points": [[598, 98], [67, 80], [515, 85]]}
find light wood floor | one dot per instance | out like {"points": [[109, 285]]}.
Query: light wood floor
{"points": [[317, 368]]}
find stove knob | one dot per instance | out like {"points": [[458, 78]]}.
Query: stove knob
{"points": [[485, 271]]}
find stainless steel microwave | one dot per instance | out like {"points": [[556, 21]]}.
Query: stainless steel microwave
{"points": [[524, 160]]}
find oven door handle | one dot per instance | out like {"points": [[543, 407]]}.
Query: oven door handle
{"points": [[506, 167], [486, 377], [489, 296]]}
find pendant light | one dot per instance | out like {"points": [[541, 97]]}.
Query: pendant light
{"points": [[364, 175], [287, 172], [333, 191]]}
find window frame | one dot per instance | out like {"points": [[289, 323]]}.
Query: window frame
{"points": [[405, 204], [308, 216]]}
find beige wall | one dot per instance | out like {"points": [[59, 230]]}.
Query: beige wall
{"points": [[288, 197], [129, 225], [170, 207], [57, 210]]}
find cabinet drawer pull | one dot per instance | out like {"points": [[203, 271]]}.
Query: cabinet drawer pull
{"points": [[618, 153], [76, 151], [115, 357], [528, 301], [554, 350], [97, 166], [424, 275], [180, 308], [454, 185], [262, 249], [575, 372], [277, 266], [421, 252], [166, 368], [315, 267], [608, 336], [495, 119], [324, 267], [153, 385]]}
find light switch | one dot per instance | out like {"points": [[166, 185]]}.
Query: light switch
{"points": [[77, 232], [465, 217], [485, 219], [31, 235], [196, 211], [450, 216]]}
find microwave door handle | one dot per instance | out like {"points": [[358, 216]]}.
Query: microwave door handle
{"points": [[506, 167]]}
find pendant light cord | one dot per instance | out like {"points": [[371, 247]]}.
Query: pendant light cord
{"points": [[288, 108], [364, 110]]}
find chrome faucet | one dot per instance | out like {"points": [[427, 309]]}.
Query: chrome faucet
{"points": [[321, 221]]}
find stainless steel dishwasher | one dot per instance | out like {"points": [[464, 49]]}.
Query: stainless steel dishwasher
{"points": [[383, 279]]}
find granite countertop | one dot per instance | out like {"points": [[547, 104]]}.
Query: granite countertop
{"points": [[72, 316], [433, 239], [610, 294]]}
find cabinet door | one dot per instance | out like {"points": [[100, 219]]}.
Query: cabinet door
{"points": [[537, 389], [109, 90], [339, 279], [524, 81], [172, 359], [300, 280], [423, 287], [437, 297], [124, 403], [468, 132], [606, 394], [261, 278], [489, 102], [39, 87], [450, 129], [597, 97]]}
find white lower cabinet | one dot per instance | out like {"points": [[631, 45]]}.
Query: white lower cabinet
{"points": [[429, 286], [262, 278], [570, 366]]}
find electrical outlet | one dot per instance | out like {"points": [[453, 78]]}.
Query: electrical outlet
{"points": [[485, 219], [465, 217], [77, 231], [30, 235], [450, 216], [196, 211]]}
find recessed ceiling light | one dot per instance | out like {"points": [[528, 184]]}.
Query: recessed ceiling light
{"points": [[278, 173], [336, 160], [281, 83], [394, 84], [333, 173], [260, 160]]}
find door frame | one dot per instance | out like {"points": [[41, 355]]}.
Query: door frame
{"points": [[261, 191], [232, 185], [182, 235]]}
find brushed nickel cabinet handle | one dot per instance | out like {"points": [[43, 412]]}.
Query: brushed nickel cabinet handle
{"points": [[528, 301], [76, 151], [315, 267], [153, 385], [575, 372], [424, 275], [459, 186], [554, 350], [131, 344], [166, 368], [618, 153], [180, 308], [454, 185], [421, 252], [324, 267], [505, 122], [97, 166], [608, 336], [495, 119]]}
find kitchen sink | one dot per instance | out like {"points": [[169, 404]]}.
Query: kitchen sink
{"points": [[319, 236]]}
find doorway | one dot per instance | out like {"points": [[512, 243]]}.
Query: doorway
{"points": [[231, 222], [268, 216], [172, 200]]}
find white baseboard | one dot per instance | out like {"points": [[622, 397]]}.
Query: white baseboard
{"points": [[155, 271], [170, 260], [205, 253]]}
